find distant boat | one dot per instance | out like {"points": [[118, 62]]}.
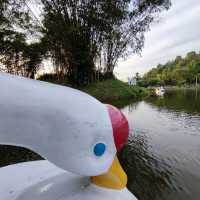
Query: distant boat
{"points": [[160, 91]]}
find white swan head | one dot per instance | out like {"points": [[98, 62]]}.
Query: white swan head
{"points": [[68, 127]]}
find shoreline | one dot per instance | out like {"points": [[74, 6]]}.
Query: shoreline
{"points": [[111, 91], [115, 92], [182, 87]]}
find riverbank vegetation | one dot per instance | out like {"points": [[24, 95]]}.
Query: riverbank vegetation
{"points": [[81, 39], [183, 72], [108, 90], [114, 91]]}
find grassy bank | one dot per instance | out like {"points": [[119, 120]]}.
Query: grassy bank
{"points": [[108, 91], [114, 91]]}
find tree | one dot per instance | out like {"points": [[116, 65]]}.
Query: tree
{"points": [[33, 56], [14, 21], [12, 59], [128, 36], [194, 68], [16, 24], [78, 35], [81, 33], [181, 71], [137, 76]]}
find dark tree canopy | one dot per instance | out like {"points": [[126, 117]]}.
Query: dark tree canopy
{"points": [[15, 23], [81, 36], [15, 27]]}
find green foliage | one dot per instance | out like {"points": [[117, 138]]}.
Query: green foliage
{"points": [[64, 79], [15, 21], [179, 72], [81, 37], [84, 34], [108, 91], [114, 91], [16, 56], [55, 78]]}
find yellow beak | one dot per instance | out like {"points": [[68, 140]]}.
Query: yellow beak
{"points": [[115, 178]]}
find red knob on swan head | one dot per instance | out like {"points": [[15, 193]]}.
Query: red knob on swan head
{"points": [[120, 126]]}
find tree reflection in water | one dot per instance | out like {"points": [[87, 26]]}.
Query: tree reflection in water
{"points": [[148, 176], [12, 154]]}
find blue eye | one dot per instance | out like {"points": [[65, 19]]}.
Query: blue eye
{"points": [[99, 149]]}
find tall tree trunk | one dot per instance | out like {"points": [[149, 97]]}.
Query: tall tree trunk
{"points": [[196, 81]]}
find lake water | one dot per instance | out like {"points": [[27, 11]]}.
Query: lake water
{"points": [[162, 158]]}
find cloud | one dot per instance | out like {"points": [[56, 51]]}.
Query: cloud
{"points": [[177, 33]]}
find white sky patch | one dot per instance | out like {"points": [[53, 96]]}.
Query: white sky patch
{"points": [[177, 33]]}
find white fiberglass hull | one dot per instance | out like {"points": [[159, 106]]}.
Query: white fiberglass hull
{"points": [[41, 180]]}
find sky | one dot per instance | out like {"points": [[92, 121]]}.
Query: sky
{"points": [[176, 33]]}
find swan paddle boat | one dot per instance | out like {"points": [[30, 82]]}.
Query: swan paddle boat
{"points": [[76, 134], [160, 91]]}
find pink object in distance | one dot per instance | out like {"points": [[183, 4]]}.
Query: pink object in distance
{"points": [[120, 126]]}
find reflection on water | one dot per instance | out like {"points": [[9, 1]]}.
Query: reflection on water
{"points": [[148, 175], [10, 155], [162, 158], [187, 101]]}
